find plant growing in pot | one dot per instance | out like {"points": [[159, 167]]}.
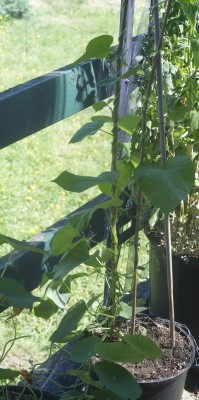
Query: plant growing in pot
{"points": [[180, 64], [71, 241], [74, 246]]}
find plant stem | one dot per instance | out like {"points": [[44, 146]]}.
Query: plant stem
{"points": [[114, 154], [142, 150], [163, 155]]}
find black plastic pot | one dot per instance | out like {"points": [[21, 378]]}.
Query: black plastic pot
{"points": [[169, 388], [25, 393], [185, 283]]}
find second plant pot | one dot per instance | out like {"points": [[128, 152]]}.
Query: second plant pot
{"points": [[185, 283]]}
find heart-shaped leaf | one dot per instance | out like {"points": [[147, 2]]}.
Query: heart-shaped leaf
{"points": [[126, 310], [144, 345], [166, 187], [118, 352], [98, 47], [99, 105], [45, 309], [129, 123], [118, 380], [85, 349]]}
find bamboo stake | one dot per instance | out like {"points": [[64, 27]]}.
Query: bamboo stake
{"points": [[163, 155]]}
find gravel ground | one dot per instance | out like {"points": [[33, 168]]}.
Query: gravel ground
{"points": [[189, 396], [192, 387]]}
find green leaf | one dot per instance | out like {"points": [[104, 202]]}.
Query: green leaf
{"points": [[144, 345], [85, 349], [178, 113], [59, 293], [133, 71], [71, 259], [98, 47], [14, 294], [166, 187], [85, 377], [194, 117], [78, 183], [20, 244], [99, 105], [129, 123], [118, 352], [103, 118], [45, 309], [106, 188], [73, 277], [62, 239], [126, 310], [122, 180], [192, 90], [89, 129], [189, 11], [108, 80], [195, 51], [7, 373], [69, 322], [124, 176], [106, 255], [94, 260], [154, 217], [93, 299], [111, 80], [81, 219], [117, 379]]}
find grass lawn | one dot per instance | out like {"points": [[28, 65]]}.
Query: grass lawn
{"points": [[53, 35]]}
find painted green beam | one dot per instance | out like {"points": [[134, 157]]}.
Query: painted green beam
{"points": [[43, 101]]}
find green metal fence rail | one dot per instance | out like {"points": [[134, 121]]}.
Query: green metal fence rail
{"points": [[33, 106], [43, 101]]}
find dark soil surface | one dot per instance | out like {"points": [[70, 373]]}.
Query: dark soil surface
{"points": [[171, 363]]}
